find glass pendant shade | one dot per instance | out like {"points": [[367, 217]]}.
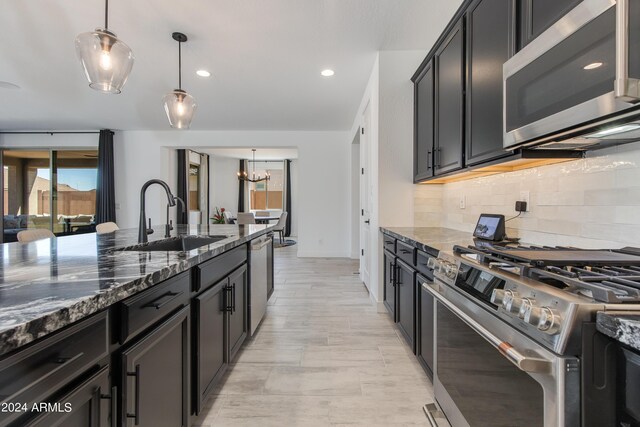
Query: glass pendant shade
{"points": [[107, 61], [180, 107]]}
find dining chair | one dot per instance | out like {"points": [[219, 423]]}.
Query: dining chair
{"points": [[106, 227], [280, 225], [246, 218], [26, 236]]}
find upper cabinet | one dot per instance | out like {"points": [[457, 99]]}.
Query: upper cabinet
{"points": [[490, 43], [535, 16], [423, 144], [449, 102]]}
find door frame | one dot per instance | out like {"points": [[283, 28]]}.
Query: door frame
{"points": [[365, 196]]}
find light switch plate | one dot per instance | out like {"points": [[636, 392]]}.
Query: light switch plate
{"points": [[463, 202]]}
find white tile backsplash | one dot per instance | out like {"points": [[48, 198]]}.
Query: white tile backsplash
{"points": [[592, 202]]}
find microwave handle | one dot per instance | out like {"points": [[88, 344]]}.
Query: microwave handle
{"points": [[625, 89], [525, 363]]}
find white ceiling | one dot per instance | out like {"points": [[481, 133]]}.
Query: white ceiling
{"points": [[265, 57], [246, 153]]}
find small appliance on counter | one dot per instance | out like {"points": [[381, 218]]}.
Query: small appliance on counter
{"points": [[515, 334]]}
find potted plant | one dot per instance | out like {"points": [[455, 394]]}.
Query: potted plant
{"points": [[218, 217]]}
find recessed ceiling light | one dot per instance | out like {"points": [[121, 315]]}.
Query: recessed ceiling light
{"points": [[327, 73], [7, 85], [593, 66], [203, 73]]}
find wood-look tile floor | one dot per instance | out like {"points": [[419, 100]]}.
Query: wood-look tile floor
{"points": [[322, 356]]}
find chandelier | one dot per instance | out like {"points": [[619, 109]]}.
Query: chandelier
{"points": [[242, 175]]}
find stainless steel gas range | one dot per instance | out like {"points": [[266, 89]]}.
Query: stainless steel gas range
{"points": [[515, 336]]}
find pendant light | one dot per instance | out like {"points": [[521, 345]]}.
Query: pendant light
{"points": [[178, 104], [107, 61], [242, 175]]}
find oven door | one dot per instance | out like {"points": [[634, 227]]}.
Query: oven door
{"points": [[488, 374], [577, 71]]}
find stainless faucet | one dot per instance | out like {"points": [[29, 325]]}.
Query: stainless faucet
{"points": [[142, 229], [169, 225]]}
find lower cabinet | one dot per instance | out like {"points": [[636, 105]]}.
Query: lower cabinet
{"points": [[238, 316], [89, 404], [424, 337], [405, 307], [211, 358], [156, 375], [389, 283]]}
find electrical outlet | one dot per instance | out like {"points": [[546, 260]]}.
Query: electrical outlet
{"points": [[463, 202], [524, 197]]}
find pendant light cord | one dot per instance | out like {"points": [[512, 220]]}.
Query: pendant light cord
{"points": [[106, 14], [179, 65]]}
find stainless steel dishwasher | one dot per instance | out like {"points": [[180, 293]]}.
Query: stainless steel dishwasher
{"points": [[259, 251]]}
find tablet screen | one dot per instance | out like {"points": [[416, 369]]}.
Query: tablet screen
{"points": [[487, 226]]}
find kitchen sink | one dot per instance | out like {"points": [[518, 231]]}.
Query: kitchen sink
{"points": [[179, 244]]}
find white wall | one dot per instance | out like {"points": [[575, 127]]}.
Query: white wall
{"points": [[322, 169], [223, 185], [591, 203]]}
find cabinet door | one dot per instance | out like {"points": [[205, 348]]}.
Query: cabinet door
{"points": [[424, 346], [88, 405], [489, 45], [238, 324], [423, 124], [156, 377], [210, 335], [449, 83], [538, 15], [405, 313], [389, 284]]}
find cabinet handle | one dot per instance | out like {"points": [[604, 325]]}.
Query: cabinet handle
{"points": [[429, 160], [398, 275], [158, 305], [136, 403], [388, 242], [114, 405], [227, 299], [233, 298], [405, 251], [438, 153]]}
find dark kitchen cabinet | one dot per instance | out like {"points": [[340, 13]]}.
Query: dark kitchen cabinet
{"points": [[238, 316], [211, 357], [490, 42], [449, 102], [389, 283], [156, 375], [535, 16], [405, 307], [423, 124], [424, 322], [87, 405]]}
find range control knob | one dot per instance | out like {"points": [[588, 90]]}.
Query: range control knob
{"points": [[514, 304], [497, 296], [549, 321], [527, 305], [509, 295], [450, 270], [532, 315]]}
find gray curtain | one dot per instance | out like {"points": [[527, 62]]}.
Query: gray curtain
{"points": [[241, 189], [105, 192], [183, 183]]}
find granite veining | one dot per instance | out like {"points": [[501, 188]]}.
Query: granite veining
{"points": [[48, 284], [430, 239], [620, 325]]}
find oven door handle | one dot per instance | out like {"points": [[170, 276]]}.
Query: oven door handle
{"points": [[524, 363], [625, 88]]}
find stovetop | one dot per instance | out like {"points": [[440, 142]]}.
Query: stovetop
{"points": [[609, 276]]}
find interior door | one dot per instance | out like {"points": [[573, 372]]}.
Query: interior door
{"points": [[365, 196]]}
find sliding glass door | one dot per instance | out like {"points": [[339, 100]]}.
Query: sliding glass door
{"points": [[52, 189]]}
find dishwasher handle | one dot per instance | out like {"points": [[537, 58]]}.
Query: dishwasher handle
{"points": [[260, 242]]}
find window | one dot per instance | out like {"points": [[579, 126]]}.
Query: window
{"points": [[52, 189], [267, 195]]}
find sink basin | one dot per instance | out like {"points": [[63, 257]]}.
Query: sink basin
{"points": [[179, 244]]}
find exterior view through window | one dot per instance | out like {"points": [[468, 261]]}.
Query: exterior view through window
{"points": [[52, 189], [267, 195]]}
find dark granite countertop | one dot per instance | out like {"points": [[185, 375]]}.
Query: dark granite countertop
{"points": [[430, 239], [623, 326], [48, 284]]}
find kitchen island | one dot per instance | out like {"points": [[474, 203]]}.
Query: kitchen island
{"points": [[110, 314]]}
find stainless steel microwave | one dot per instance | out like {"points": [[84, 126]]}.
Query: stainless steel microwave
{"points": [[577, 85]]}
